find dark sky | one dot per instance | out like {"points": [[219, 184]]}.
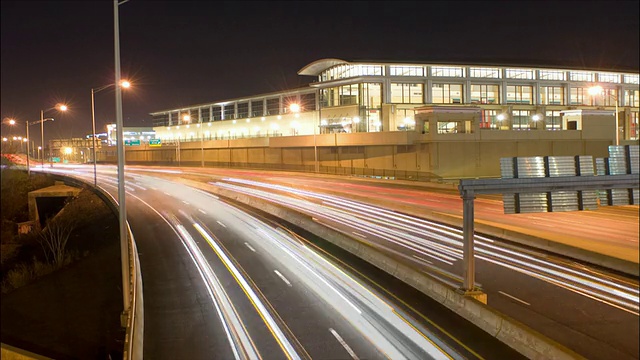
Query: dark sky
{"points": [[179, 53]]}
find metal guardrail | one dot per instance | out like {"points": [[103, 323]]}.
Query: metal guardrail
{"points": [[133, 315]]}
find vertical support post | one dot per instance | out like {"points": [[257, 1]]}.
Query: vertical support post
{"points": [[467, 245], [28, 140]]}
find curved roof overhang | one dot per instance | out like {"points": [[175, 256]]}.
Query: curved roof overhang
{"points": [[318, 66]]}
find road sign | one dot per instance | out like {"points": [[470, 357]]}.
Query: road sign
{"points": [[132, 142], [55, 159], [155, 142]]}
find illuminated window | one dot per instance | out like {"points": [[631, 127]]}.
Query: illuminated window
{"points": [[273, 106], [581, 76], [407, 93], [489, 120], [553, 120], [631, 79], [558, 75], [608, 77], [446, 94], [485, 94], [631, 98], [551, 95], [519, 94], [580, 96], [447, 71], [633, 130], [243, 109], [520, 119], [492, 73], [406, 70], [371, 95], [518, 74], [609, 97]]}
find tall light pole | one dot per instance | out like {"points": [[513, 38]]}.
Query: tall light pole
{"points": [[59, 107], [28, 124], [598, 90], [125, 84], [122, 213]]}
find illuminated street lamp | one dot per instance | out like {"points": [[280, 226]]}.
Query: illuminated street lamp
{"points": [[597, 90], [12, 122], [59, 107], [28, 150], [125, 84], [535, 119]]}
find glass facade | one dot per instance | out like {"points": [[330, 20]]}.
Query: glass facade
{"points": [[553, 120], [551, 95], [446, 94], [519, 94], [520, 119], [406, 70], [556, 75], [631, 98], [580, 96], [519, 74], [407, 93], [485, 94], [489, 120], [491, 73], [447, 71]]}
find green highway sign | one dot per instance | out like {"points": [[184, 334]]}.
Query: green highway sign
{"points": [[155, 142], [132, 142]]}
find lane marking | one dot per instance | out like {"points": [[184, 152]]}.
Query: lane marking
{"points": [[281, 277], [344, 344], [250, 248], [221, 224], [202, 211], [514, 298], [184, 202], [358, 234], [166, 193]]}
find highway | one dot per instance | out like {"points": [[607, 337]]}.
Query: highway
{"points": [[590, 310], [227, 283]]}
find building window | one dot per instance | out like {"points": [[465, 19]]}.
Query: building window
{"points": [[349, 94], [446, 94], [609, 78], [557, 75], [580, 96], [631, 79], [257, 108], [551, 95], [405, 119], [406, 70], [485, 94], [553, 120], [631, 98], [489, 120], [273, 106], [205, 115], [581, 76], [229, 112], [407, 93], [633, 122], [217, 113], [519, 74], [447, 71], [243, 110], [371, 95], [491, 73], [519, 94], [609, 97], [520, 119]]}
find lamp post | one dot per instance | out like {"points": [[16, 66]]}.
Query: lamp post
{"points": [[27, 126], [598, 90], [125, 84], [122, 211], [59, 107]]}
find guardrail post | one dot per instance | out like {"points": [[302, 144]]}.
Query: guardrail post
{"points": [[468, 286]]}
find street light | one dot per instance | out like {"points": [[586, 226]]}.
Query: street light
{"points": [[59, 107], [28, 150], [598, 90], [125, 84], [535, 119]]}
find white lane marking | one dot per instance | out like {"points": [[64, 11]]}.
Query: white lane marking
{"points": [[152, 188], [202, 211], [344, 344], [281, 277], [221, 224], [184, 202], [358, 234], [250, 248], [421, 259], [514, 298], [166, 193]]}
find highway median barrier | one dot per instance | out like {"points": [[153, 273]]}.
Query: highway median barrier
{"points": [[513, 333]]}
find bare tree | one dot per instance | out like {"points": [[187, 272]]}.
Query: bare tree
{"points": [[53, 240]]}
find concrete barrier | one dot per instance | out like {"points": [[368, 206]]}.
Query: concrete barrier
{"points": [[8, 352], [134, 335], [520, 337]]}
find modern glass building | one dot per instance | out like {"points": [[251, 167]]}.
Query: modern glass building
{"points": [[352, 97]]}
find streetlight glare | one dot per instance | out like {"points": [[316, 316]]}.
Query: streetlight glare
{"points": [[595, 90], [186, 118], [294, 108], [125, 84], [62, 107], [68, 150], [12, 122]]}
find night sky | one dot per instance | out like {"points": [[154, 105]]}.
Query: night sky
{"points": [[179, 53]]}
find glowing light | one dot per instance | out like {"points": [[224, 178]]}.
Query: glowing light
{"points": [[294, 108], [12, 122], [248, 120], [356, 120], [263, 118], [186, 118], [125, 84], [279, 117], [595, 90], [323, 122], [62, 107], [500, 117], [535, 117], [68, 150]]}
